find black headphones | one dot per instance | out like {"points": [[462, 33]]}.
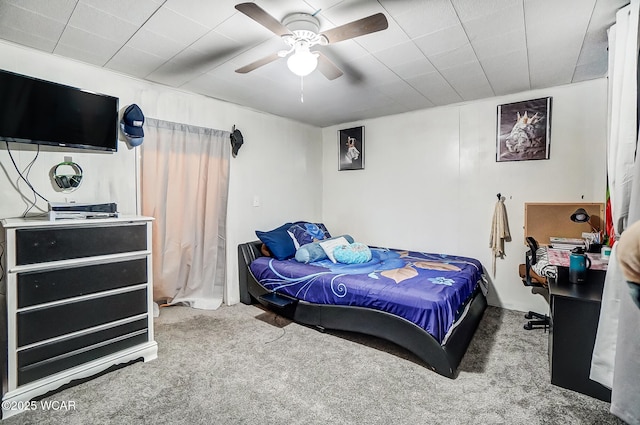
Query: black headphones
{"points": [[68, 181]]}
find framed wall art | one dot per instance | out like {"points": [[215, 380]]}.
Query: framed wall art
{"points": [[351, 148], [524, 130]]}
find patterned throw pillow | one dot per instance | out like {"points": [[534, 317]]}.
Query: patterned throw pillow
{"points": [[304, 232], [355, 253], [313, 251], [330, 245]]}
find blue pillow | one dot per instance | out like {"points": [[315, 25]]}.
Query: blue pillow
{"points": [[278, 241], [311, 252], [303, 232], [355, 253]]}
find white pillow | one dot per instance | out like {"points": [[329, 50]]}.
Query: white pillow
{"points": [[330, 244]]}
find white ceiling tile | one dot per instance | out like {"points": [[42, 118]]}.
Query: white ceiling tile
{"points": [[244, 30], [552, 77], [443, 40], [404, 94], [461, 55], [197, 61], [373, 70], [134, 62], [468, 10], [262, 50], [73, 52], [400, 53], [390, 108], [435, 88], [602, 16], [322, 4], [588, 70], [206, 40], [174, 26], [349, 11], [209, 85], [58, 10], [136, 12], [508, 73], [427, 17], [278, 9], [29, 21], [218, 46], [469, 81], [93, 45], [499, 45], [173, 74], [594, 49], [155, 44], [546, 20], [348, 50], [29, 28], [411, 69], [28, 39], [553, 63], [496, 24], [207, 13], [384, 39], [101, 23]]}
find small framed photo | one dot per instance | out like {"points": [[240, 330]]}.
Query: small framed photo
{"points": [[524, 130], [351, 148]]}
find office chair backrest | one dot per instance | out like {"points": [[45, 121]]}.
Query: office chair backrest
{"points": [[533, 248]]}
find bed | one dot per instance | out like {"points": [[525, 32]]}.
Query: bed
{"points": [[429, 304]]}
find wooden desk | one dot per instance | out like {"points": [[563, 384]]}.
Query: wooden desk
{"points": [[575, 311]]}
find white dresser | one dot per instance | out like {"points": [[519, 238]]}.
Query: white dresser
{"points": [[77, 299]]}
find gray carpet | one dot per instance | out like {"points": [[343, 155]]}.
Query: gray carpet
{"points": [[242, 365]]}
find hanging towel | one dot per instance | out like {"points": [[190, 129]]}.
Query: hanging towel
{"points": [[499, 233]]}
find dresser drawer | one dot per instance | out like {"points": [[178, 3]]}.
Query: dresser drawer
{"points": [[44, 323], [42, 245], [53, 285], [54, 364]]}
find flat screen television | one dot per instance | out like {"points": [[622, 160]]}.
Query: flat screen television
{"points": [[42, 112]]}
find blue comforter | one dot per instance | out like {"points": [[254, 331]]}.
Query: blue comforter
{"points": [[426, 289]]}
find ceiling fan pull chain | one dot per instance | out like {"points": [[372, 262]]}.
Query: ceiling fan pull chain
{"points": [[301, 89]]}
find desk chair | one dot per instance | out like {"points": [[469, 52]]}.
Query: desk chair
{"points": [[538, 284]]}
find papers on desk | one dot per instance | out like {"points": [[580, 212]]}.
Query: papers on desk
{"points": [[567, 243], [560, 257]]}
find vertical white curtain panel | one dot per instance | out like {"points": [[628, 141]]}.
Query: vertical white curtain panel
{"points": [[185, 185], [616, 355]]}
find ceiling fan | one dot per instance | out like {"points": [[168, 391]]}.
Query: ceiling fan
{"points": [[299, 31]]}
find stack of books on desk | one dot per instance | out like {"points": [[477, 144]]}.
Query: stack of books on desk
{"points": [[567, 243]]}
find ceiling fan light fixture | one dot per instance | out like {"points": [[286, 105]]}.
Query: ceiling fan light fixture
{"points": [[302, 62]]}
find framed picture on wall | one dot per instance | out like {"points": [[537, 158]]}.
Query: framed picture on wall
{"points": [[351, 148], [524, 130]]}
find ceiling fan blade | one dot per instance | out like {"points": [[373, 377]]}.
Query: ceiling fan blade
{"points": [[259, 15], [328, 68], [257, 64], [373, 23]]}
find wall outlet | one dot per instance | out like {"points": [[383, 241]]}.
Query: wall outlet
{"points": [[256, 201]]}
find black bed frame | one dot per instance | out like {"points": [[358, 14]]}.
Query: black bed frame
{"points": [[442, 358]]}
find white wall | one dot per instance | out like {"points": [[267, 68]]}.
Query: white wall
{"points": [[280, 162], [431, 178]]}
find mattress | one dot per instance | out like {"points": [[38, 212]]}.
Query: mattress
{"points": [[427, 289]]}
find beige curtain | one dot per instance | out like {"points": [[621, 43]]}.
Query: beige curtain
{"points": [[185, 183]]}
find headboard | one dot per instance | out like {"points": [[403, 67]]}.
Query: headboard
{"points": [[543, 220], [247, 252]]}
